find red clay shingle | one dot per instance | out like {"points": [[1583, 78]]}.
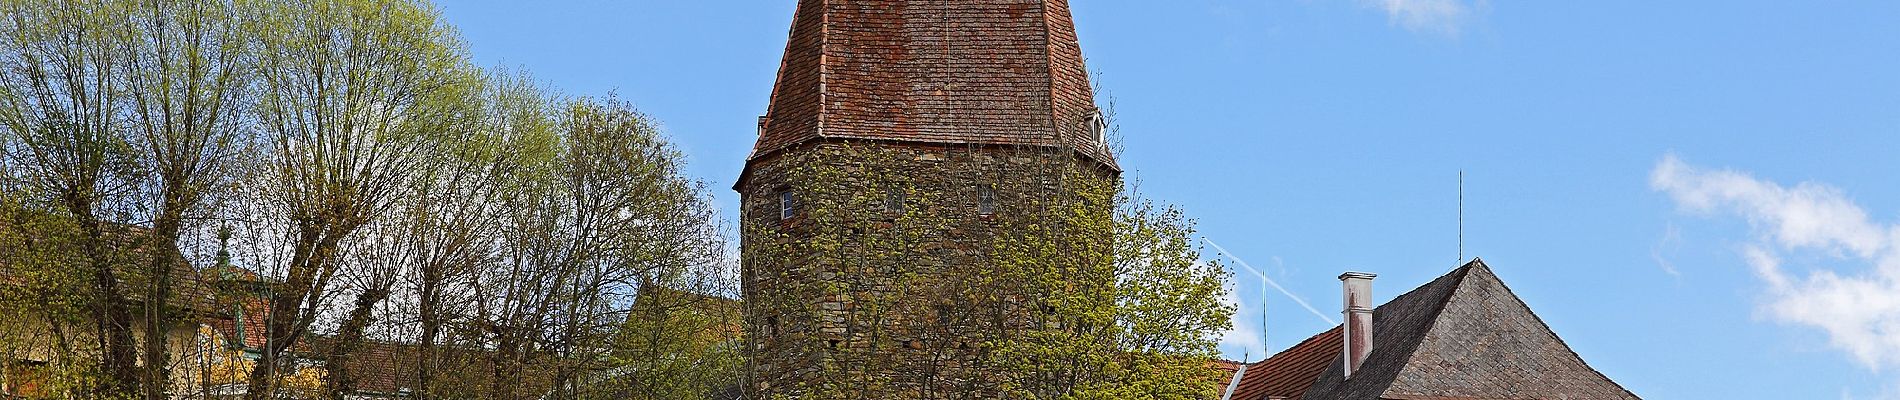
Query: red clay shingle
{"points": [[995, 72], [1291, 371]]}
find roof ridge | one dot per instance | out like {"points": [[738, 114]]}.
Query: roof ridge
{"points": [[1457, 277], [1396, 336], [1547, 330], [1478, 344], [1462, 275], [1309, 339], [824, 67], [784, 66]]}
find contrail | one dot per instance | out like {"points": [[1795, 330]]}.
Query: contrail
{"points": [[1270, 282]]}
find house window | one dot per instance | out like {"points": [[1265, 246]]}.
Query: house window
{"points": [[985, 200], [894, 200], [787, 206]]}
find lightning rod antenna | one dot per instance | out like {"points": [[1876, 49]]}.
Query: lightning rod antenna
{"points": [[1461, 216]]}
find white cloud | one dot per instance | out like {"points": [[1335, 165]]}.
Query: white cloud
{"points": [[1856, 300], [1671, 240], [1244, 336], [1437, 16]]}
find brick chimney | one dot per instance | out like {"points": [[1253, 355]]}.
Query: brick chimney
{"points": [[1358, 313]]}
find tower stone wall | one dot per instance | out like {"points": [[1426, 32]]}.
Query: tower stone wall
{"points": [[875, 283]]}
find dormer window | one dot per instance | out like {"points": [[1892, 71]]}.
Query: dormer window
{"points": [[1098, 125], [985, 200], [787, 205]]}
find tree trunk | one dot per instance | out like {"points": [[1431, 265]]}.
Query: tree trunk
{"points": [[115, 328], [157, 315], [120, 359], [431, 318], [286, 322], [349, 340]]}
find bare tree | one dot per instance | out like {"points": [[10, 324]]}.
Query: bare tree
{"points": [[345, 108], [186, 83], [436, 223], [452, 221]]}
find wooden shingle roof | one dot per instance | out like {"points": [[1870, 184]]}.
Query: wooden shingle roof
{"points": [[1463, 336], [988, 72]]}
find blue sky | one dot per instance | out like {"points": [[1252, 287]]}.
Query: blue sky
{"points": [[1699, 196]]}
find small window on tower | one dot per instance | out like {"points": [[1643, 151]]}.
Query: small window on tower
{"points": [[894, 200], [787, 206], [985, 200]]}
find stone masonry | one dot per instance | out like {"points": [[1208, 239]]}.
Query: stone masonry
{"points": [[867, 283]]}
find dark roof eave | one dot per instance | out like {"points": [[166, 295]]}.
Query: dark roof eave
{"points": [[746, 172]]}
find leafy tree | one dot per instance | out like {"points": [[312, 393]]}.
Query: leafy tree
{"points": [[44, 285], [675, 344], [451, 223], [1129, 309], [608, 215], [60, 107]]}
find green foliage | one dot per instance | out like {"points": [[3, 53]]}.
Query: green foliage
{"points": [[1128, 309], [352, 151], [674, 345], [1074, 289], [43, 284]]}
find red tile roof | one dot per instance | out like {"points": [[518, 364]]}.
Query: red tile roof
{"points": [[1291, 371], [252, 312], [383, 367], [1227, 367], [987, 72]]}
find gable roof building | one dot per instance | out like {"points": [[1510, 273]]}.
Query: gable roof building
{"points": [[1464, 336]]}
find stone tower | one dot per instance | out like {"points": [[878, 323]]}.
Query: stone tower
{"points": [[899, 134]]}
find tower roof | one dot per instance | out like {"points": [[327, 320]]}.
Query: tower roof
{"points": [[988, 72]]}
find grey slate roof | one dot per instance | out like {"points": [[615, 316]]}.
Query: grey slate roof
{"points": [[1465, 336]]}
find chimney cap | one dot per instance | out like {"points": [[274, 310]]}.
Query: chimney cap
{"points": [[1357, 275]]}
